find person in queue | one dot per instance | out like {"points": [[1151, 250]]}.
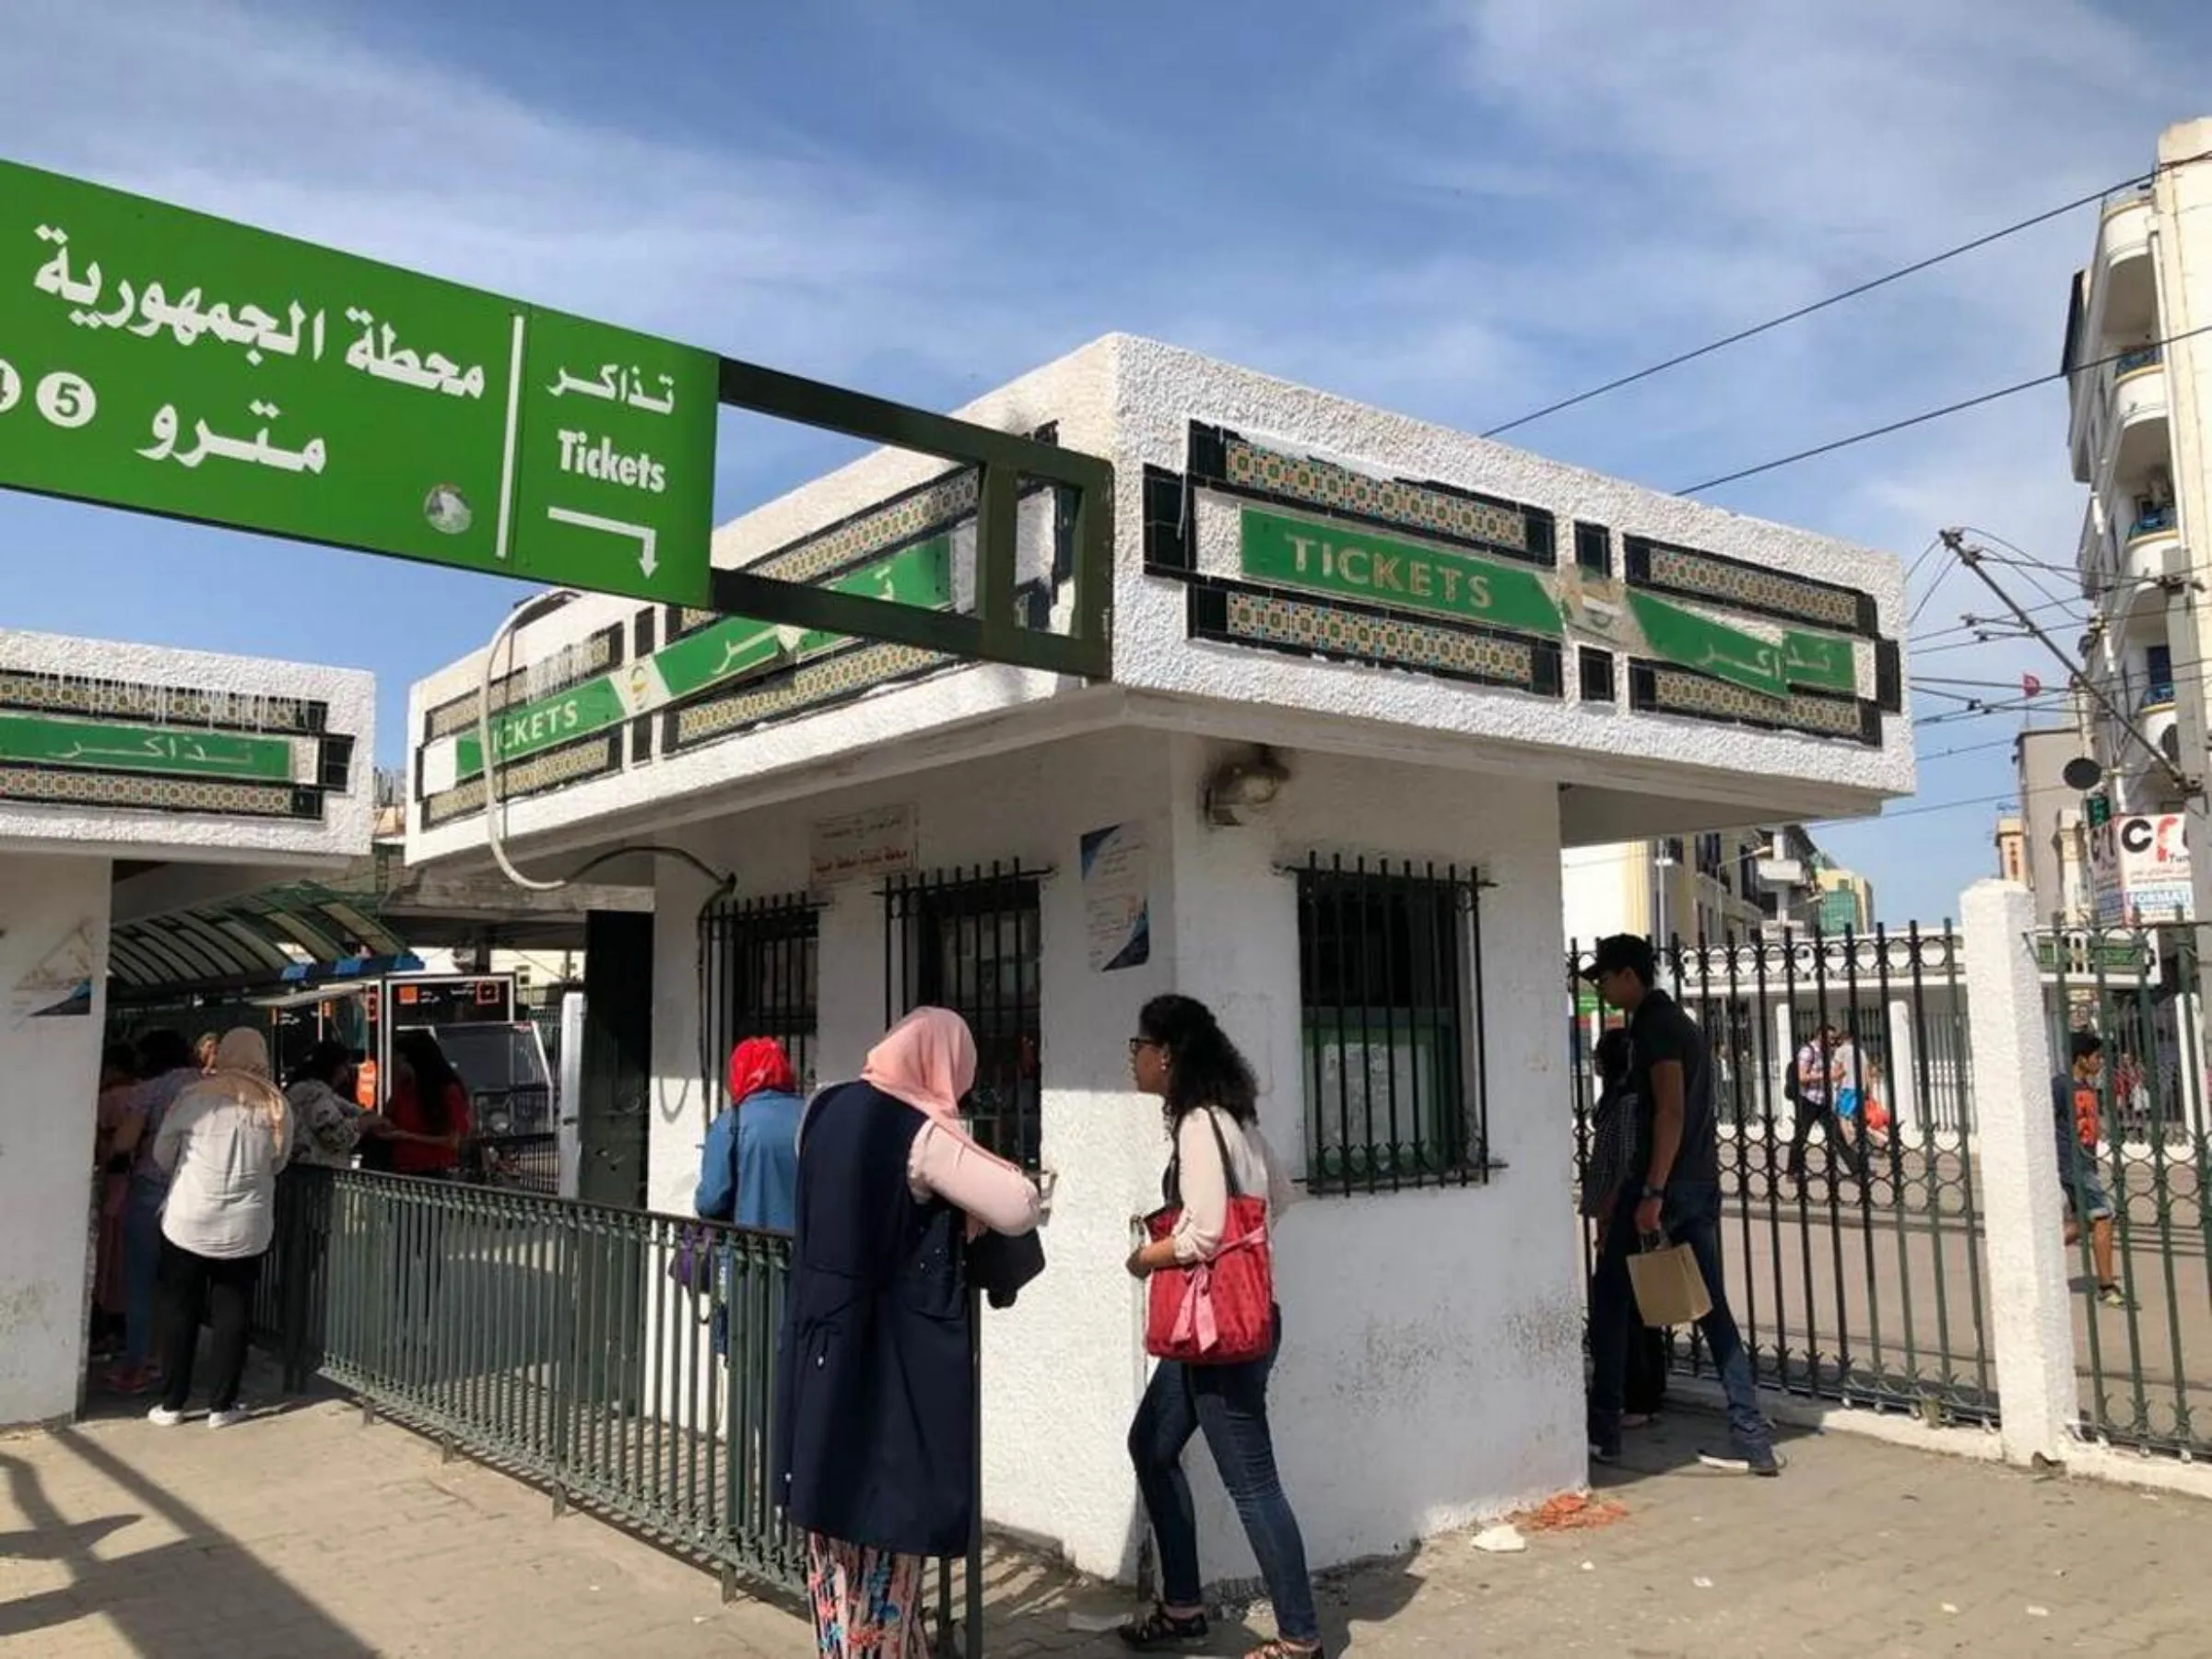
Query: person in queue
{"points": [[875, 1426], [224, 1142], [748, 1171], [111, 1109], [1606, 1173], [167, 1067], [427, 1114], [330, 1126], [1210, 1103]]}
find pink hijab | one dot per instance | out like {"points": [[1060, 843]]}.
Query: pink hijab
{"points": [[928, 1061]]}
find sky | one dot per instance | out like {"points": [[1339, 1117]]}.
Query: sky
{"points": [[1461, 209]]}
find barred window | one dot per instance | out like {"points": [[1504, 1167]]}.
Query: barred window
{"points": [[969, 941], [1390, 979], [760, 965]]}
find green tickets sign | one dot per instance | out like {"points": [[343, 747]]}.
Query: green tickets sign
{"points": [[157, 359], [96, 745], [1381, 569], [722, 654]]}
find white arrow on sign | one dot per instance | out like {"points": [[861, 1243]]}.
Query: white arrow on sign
{"points": [[645, 536]]}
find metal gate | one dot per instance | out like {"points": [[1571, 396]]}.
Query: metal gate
{"points": [[2146, 1356], [1852, 1242]]}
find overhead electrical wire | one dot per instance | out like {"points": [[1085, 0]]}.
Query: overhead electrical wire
{"points": [[1926, 415], [1852, 292]]}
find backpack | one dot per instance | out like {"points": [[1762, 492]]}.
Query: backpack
{"points": [[1793, 1081]]}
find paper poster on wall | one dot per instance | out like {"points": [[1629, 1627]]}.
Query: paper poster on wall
{"points": [[859, 846], [59, 985], [1117, 898]]}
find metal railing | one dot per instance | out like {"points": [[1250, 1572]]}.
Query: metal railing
{"points": [[1851, 1243], [2147, 1364], [623, 1359]]}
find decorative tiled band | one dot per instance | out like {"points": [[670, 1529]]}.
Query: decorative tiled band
{"points": [[168, 705], [1232, 613], [584, 659], [1653, 688], [1749, 587], [41, 786], [1225, 460], [592, 757], [813, 685]]}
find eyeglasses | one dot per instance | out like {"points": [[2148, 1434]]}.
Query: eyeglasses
{"points": [[1139, 1044]]}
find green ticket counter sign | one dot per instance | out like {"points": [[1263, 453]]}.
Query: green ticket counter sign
{"points": [[156, 358]]}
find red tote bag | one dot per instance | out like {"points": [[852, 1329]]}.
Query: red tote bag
{"points": [[1221, 1311]]}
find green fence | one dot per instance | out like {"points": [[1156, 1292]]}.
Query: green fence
{"points": [[625, 1360]]}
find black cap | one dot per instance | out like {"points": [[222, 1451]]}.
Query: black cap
{"points": [[1617, 951]]}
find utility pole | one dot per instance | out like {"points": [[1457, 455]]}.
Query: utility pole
{"points": [[2185, 775]]}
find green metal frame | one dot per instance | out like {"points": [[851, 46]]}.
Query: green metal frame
{"points": [[996, 633]]}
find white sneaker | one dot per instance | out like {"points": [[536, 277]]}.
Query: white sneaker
{"points": [[227, 1419], [161, 1417]]}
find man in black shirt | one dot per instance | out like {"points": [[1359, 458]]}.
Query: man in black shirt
{"points": [[1672, 1192]]}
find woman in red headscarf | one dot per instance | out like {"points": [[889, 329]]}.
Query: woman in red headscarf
{"points": [[749, 1173]]}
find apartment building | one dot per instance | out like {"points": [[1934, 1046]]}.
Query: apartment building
{"points": [[1719, 886], [2139, 434]]}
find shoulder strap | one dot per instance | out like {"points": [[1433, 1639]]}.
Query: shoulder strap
{"points": [[1228, 1164]]}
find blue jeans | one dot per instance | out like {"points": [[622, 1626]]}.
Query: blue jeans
{"points": [[1692, 1217], [1229, 1404], [141, 1274]]}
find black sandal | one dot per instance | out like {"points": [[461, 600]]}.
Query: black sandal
{"points": [[1161, 1631]]}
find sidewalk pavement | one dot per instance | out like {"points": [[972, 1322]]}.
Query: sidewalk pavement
{"points": [[307, 1534]]}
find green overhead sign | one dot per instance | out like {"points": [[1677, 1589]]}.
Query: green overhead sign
{"points": [[157, 359]]}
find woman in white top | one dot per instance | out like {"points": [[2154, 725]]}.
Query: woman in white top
{"points": [[1210, 1102], [223, 1142]]}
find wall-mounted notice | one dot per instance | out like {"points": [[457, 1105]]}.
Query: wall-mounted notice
{"points": [[1117, 896], [60, 984], [860, 846]]}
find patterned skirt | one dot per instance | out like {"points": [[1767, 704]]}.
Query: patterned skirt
{"points": [[867, 1603]]}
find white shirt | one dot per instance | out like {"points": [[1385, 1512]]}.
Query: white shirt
{"points": [[1205, 1191], [223, 1156]]}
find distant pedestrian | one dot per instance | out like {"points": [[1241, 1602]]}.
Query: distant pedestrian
{"points": [[204, 1051], [1606, 1172], [224, 1140], [1210, 1102], [874, 1446], [112, 1110], [2076, 1114], [1673, 1193], [1820, 1070]]}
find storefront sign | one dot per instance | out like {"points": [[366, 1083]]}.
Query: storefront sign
{"points": [[180, 751], [1381, 569], [724, 654], [861, 846], [2140, 867], [159, 359]]}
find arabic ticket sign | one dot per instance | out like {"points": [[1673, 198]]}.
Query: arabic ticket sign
{"points": [[156, 358]]}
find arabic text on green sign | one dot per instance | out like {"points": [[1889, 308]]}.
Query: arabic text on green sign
{"points": [[37, 740], [720, 654], [157, 359], [1680, 636], [1381, 569]]}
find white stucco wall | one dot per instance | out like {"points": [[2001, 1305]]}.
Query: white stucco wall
{"points": [[343, 831], [49, 1074], [1432, 1367]]}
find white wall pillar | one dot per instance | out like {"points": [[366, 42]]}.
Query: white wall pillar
{"points": [[49, 1079], [2031, 1308], [1904, 1079], [1786, 1057]]}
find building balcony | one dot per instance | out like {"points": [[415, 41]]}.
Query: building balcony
{"points": [[2150, 557], [2128, 298], [2135, 405]]}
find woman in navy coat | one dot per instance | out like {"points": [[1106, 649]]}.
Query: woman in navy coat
{"points": [[875, 1432]]}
